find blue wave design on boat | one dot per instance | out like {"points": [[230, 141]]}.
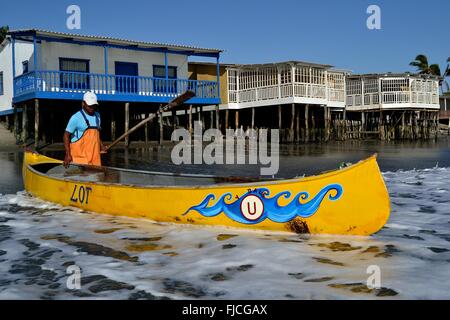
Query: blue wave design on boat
{"points": [[271, 210]]}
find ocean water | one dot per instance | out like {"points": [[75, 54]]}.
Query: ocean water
{"points": [[123, 258]]}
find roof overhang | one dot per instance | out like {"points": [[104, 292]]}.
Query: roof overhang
{"points": [[52, 36], [394, 75], [283, 63]]}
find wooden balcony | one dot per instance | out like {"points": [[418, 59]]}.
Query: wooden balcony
{"points": [[72, 86]]}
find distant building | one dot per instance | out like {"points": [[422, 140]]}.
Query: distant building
{"points": [[258, 85], [292, 96], [394, 106], [392, 91]]}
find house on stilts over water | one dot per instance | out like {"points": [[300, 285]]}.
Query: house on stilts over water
{"points": [[302, 99], [392, 106], [44, 75]]}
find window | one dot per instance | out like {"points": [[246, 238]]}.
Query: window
{"points": [[74, 73], [160, 72], [1, 83], [25, 66], [160, 84]]}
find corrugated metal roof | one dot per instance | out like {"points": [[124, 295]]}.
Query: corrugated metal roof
{"points": [[295, 62], [111, 40], [391, 74]]}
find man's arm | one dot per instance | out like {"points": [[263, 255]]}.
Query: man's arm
{"points": [[68, 156], [102, 147]]}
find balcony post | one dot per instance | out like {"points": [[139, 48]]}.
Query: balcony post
{"points": [[293, 80], [279, 82], [35, 60], [166, 65], [35, 66], [237, 87], [13, 49], [218, 76], [105, 58]]}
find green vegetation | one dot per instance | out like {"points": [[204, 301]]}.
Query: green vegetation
{"points": [[421, 63], [3, 31]]}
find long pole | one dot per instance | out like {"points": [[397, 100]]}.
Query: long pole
{"points": [[172, 104]]}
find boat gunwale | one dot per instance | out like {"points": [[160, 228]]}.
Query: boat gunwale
{"points": [[213, 186]]}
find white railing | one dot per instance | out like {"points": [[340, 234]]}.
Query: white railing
{"points": [[336, 95], [286, 90], [395, 97]]}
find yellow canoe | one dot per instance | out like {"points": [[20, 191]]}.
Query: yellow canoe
{"points": [[350, 201]]}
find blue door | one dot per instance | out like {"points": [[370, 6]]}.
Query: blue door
{"points": [[126, 77]]}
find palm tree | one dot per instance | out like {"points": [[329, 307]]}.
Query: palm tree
{"points": [[447, 71], [3, 31], [421, 63], [444, 81]]}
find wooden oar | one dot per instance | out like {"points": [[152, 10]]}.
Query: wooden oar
{"points": [[172, 104]]}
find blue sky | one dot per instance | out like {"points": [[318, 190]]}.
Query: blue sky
{"points": [[323, 31]]}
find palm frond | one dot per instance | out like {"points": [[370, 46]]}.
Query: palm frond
{"points": [[435, 70]]}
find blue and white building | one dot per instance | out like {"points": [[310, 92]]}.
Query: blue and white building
{"points": [[39, 68], [38, 64]]}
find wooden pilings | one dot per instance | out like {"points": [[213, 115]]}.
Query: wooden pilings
{"points": [[127, 123], [291, 127], [392, 125], [217, 117], [113, 126], [36, 122], [307, 123], [161, 127], [16, 123], [279, 117], [227, 116], [297, 122], [146, 129], [327, 122], [190, 120], [24, 123], [253, 118]]}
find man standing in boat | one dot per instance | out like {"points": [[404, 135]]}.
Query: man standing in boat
{"points": [[82, 136]]}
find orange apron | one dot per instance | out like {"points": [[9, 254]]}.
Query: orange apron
{"points": [[86, 150]]}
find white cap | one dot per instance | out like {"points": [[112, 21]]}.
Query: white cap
{"points": [[90, 98]]}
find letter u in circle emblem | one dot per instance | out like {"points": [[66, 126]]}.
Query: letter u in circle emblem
{"points": [[252, 207]]}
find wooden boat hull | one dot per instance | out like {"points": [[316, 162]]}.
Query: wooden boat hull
{"points": [[350, 201]]}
